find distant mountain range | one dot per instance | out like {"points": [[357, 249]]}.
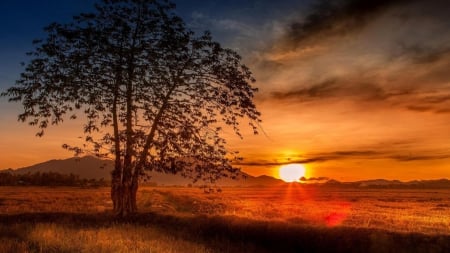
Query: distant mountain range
{"points": [[391, 184], [90, 167]]}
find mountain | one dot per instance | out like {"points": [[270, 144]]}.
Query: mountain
{"points": [[378, 182], [91, 167], [94, 168], [391, 184], [263, 181], [86, 167]]}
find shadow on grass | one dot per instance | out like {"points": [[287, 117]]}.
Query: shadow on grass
{"points": [[232, 234]]}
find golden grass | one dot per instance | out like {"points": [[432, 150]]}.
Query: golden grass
{"points": [[64, 219], [55, 237], [420, 211]]}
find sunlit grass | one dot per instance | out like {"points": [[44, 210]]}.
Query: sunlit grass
{"points": [[51, 237], [395, 210], [39, 219], [116, 238]]}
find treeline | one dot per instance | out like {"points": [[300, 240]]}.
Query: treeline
{"points": [[48, 179], [418, 184]]}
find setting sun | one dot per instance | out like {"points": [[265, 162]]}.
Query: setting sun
{"points": [[292, 172]]}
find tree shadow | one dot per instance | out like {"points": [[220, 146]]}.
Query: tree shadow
{"points": [[233, 234]]}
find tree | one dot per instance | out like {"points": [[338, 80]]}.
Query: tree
{"points": [[153, 94]]}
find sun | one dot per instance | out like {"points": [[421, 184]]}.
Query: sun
{"points": [[292, 172]]}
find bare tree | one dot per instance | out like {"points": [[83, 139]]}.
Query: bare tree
{"points": [[154, 95]]}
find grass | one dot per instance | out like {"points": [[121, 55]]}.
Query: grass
{"points": [[292, 219], [43, 236]]}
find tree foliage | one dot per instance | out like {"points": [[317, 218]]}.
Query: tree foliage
{"points": [[152, 93]]}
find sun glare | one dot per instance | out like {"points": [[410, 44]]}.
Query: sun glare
{"points": [[292, 172]]}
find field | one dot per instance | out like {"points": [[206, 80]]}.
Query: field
{"points": [[282, 219]]}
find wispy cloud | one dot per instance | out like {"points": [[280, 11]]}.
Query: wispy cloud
{"points": [[355, 154], [421, 54], [415, 98], [409, 158], [356, 47], [333, 88]]}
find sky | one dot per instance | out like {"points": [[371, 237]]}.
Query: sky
{"points": [[352, 89]]}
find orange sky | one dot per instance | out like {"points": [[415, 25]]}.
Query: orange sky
{"points": [[354, 100]]}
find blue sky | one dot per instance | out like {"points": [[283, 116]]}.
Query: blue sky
{"points": [[21, 21]]}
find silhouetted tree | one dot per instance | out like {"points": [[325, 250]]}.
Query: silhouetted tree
{"points": [[154, 95]]}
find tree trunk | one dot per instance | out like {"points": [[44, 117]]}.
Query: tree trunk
{"points": [[134, 188], [115, 191], [124, 198], [117, 172]]}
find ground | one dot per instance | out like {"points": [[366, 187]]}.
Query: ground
{"points": [[290, 218]]}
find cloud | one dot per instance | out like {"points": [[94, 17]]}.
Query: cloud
{"points": [[422, 54], [404, 84], [419, 108], [435, 102], [409, 158], [341, 82], [371, 154], [319, 90], [356, 47], [260, 163], [437, 99], [443, 111], [334, 18], [334, 88], [416, 98], [354, 154]]}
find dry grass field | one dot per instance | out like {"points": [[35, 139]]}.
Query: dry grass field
{"points": [[281, 219]]}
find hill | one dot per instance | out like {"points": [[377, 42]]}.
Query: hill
{"points": [[391, 184], [90, 167]]}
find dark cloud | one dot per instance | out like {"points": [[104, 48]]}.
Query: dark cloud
{"points": [[357, 153], [388, 154], [323, 89], [421, 53], [277, 163], [410, 158], [426, 97], [437, 99], [433, 109], [401, 56], [332, 88], [419, 108], [426, 56], [443, 111], [353, 154], [336, 18], [437, 103]]}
